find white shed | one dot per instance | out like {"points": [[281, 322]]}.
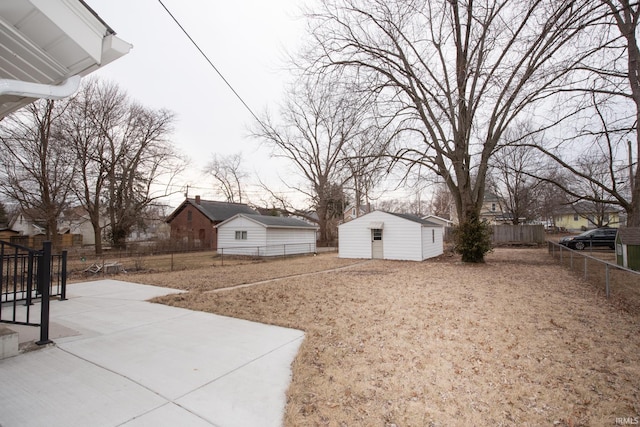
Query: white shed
{"points": [[387, 235], [263, 235]]}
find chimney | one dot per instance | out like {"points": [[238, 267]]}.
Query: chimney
{"points": [[197, 200]]}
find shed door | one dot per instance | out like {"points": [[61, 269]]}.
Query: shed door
{"points": [[376, 243]]}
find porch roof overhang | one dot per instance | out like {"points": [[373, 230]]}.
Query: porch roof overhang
{"points": [[376, 225], [47, 45]]}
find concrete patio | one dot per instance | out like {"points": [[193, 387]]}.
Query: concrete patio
{"points": [[121, 361]]}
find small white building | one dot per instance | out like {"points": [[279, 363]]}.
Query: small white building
{"points": [[262, 235], [385, 235], [438, 220]]}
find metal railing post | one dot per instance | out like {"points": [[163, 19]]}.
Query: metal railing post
{"points": [[63, 279], [585, 267], [571, 260], [44, 279]]}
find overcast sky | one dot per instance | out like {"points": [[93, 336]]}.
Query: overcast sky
{"points": [[246, 40]]}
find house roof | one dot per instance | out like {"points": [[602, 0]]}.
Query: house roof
{"points": [[214, 210], [629, 235], [584, 208], [272, 221], [490, 197], [47, 45]]}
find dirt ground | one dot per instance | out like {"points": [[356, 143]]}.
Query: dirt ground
{"points": [[515, 341]]}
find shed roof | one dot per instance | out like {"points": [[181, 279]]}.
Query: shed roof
{"points": [[214, 210], [437, 219], [273, 221], [629, 235], [415, 218]]}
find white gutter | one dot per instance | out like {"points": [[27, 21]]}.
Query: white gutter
{"points": [[37, 90]]}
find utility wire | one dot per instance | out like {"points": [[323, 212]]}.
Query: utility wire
{"points": [[211, 63]]}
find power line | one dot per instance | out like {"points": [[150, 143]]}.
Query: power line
{"points": [[211, 63]]}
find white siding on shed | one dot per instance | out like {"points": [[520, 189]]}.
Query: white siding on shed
{"points": [[402, 238], [285, 241], [354, 240], [256, 237], [266, 236], [432, 242]]}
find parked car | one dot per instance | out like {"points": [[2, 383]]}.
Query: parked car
{"points": [[593, 238]]}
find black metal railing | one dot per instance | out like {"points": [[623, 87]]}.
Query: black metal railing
{"points": [[26, 277]]}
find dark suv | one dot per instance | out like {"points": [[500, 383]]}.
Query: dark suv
{"points": [[592, 238]]}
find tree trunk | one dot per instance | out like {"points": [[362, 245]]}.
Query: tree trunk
{"points": [[97, 235]]}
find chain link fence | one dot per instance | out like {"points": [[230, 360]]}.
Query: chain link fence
{"points": [[619, 284]]}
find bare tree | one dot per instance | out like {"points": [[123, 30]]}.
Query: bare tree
{"points": [[368, 163], [457, 74], [140, 154], [442, 203], [511, 180], [37, 167], [4, 217], [593, 160], [595, 203], [611, 89], [123, 152], [626, 15], [97, 106], [228, 175], [318, 122], [552, 198]]}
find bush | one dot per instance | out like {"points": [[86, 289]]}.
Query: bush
{"points": [[472, 240]]}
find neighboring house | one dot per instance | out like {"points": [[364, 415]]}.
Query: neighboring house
{"points": [[28, 223], [47, 46], [193, 222], [353, 212], [261, 235], [30, 230], [387, 235], [583, 216], [437, 220], [628, 247], [491, 210], [76, 220]]}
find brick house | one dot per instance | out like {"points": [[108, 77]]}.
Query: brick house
{"points": [[193, 222]]}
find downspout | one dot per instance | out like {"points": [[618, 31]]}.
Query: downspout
{"points": [[37, 90]]}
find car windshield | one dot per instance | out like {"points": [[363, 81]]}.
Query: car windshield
{"points": [[586, 233]]}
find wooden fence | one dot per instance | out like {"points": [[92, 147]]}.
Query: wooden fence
{"points": [[66, 240], [510, 234]]}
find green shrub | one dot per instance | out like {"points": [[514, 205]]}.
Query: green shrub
{"points": [[472, 240]]}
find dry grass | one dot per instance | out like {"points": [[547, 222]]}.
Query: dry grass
{"points": [[147, 263], [516, 341], [238, 272]]}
